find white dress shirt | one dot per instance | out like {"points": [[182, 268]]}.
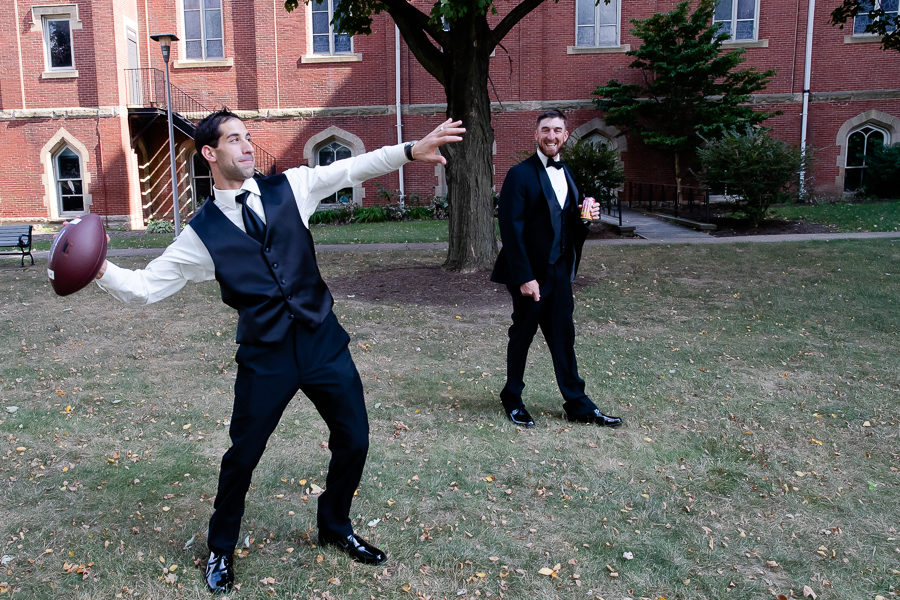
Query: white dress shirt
{"points": [[557, 180], [187, 259]]}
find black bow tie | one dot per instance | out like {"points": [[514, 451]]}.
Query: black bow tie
{"points": [[556, 164]]}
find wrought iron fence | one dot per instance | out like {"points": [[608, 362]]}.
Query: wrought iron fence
{"points": [[661, 197], [612, 207]]}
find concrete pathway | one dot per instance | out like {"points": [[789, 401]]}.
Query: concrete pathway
{"points": [[651, 228]]}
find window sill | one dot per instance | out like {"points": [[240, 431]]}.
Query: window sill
{"points": [[308, 59], [746, 43], [59, 74], [598, 49], [202, 64], [862, 38]]}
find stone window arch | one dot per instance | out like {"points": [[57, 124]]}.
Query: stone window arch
{"points": [[334, 144], [66, 176], [857, 135]]}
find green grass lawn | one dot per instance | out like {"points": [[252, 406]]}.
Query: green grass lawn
{"points": [[844, 216], [760, 455]]}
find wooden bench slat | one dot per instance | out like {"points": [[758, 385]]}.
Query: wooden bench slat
{"points": [[17, 237]]}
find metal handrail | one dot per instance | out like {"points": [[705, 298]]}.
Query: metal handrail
{"points": [[147, 88], [665, 197]]}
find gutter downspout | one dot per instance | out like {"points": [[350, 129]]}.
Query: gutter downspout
{"points": [[807, 68], [397, 106]]}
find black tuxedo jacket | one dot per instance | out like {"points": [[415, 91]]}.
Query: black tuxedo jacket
{"points": [[527, 229]]}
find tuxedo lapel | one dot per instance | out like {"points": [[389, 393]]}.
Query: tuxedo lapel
{"points": [[547, 189], [573, 190]]}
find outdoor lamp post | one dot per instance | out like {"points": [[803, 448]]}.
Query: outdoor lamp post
{"points": [[165, 43]]}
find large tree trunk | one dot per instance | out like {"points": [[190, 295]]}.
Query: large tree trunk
{"points": [[473, 245]]}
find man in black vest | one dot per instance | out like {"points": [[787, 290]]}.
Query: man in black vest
{"points": [[542, 237], [253, 238]]}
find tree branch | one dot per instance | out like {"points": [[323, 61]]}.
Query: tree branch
{"points": [[512, 19], [415, 29]]}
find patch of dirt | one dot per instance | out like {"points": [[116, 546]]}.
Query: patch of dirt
{"points": [[726, 227], [429, 286]]}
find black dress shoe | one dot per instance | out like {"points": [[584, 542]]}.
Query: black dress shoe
{"points": [[219, 573], [597, 418], [358, 549], [520, 416]]}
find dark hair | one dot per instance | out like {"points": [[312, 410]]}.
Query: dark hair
{"points": [[207, 131], [552, 114]]}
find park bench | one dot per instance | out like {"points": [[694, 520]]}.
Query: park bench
{"points": [[16, 240]]}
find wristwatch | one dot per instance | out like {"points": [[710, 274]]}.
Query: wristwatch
{"points": [[407, 149]]}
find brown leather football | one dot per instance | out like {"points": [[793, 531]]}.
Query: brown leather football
{"points": [[77, 254]]}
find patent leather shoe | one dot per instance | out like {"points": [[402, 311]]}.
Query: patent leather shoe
{"points": [[219, 572], [358, 549], [520, 416], [596, 418]]}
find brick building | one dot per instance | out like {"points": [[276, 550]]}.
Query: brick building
{"points": [[82, 97]]}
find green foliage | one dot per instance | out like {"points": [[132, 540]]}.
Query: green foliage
{"points": [[887, 28], [595, 168], [369, 214], [691, 89], [160, 226], [755, 169], [882, 176], [331, 216]]}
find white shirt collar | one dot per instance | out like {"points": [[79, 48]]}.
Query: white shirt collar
{"points": [[544, 158], [228, 196]]}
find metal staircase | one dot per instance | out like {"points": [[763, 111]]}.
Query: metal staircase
{"points": [[147, 104]]}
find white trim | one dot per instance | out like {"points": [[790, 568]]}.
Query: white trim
{"points": [[311, 55], [598, 49], [615, 47], [199, 64], [40, 18], [308, 59], [734, 20]]}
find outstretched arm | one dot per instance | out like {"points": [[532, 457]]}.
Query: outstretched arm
{"points": [[425, 149]]}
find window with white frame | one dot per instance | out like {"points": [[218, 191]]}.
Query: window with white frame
{"points": [[57, 22], [326, 39], [737, 18], [201, 180], [861, 143], [596, 24], [67, 173], [862, 20], [326, 155], [203, 30]]}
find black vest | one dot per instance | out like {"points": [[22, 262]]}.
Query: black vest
{"points": [[559, 217], [272, 285]]}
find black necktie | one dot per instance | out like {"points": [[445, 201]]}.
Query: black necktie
{"points": [[556, 164], [252, 223]]}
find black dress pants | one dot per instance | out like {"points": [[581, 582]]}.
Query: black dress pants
{"points": [[317, 362], [553, 314]]}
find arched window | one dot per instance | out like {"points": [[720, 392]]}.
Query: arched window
{"points": [[598, 139], [326, 155], [67, 176], [201, 180], [861, 143]]}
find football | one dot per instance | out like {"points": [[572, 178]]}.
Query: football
{"points": [[77, 254]]}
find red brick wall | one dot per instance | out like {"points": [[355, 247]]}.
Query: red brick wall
{"points": [[291, 100]]}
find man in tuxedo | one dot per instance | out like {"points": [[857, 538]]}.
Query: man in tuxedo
{"points": [[542, 236], [253, 237]]}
